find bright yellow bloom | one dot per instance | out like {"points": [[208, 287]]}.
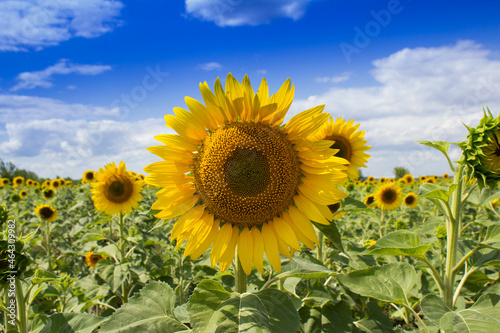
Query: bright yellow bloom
{"points": [[46, 212], [55, 184], [5, 181], [411, 200], [236, 176], [91, 258], [409, 179], [23, 194], [388, 197], [88, 176], [370, 179], [18, 181], [370, 201], [115, 191], [48, 193]]}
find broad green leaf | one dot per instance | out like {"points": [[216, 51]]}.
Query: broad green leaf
{"points": [[326, 317], [213, 309], [41, 276], [151, 310], [433, 191], [485, 257], [485, 198], [482, 316], [352, 205], [302, 268], [389, 283], [492, 237], [113, 274], [442, 146], [375, 321], [399, 242], [72, 323], [332, 233]]}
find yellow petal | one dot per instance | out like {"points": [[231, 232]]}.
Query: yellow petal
{"points": [[227, 257], [245, 250], [271, 247], [223, 237], [176, 142], [303, 224], [285, 232], [258, 249], [300, 235], [177, 210], [309, 209], [206, 239], [186, 219]]}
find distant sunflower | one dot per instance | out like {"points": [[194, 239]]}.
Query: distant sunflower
{"points": [[237, 177], [382, 180], [370, 201], [69, 183], [401, 182], [115, 191], [388, 197], [430, 180], [88, 176], [92, 259], [48, 193], [55, 183], [18, 181], [46, 212], [370, 179], [422, 178], [62, 181], [23, 194], [411, 200], [5, 181], [348, 142], [36, 184], [46, 183], [409, 179], [29, 182], [446, 177]]}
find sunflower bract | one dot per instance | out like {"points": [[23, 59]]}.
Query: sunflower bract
{"points": [[237, 176]]}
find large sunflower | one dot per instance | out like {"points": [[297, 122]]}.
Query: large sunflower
{"points": [[388, 197], [115, 191], [236, 176], [46, 212], [348, 143]]}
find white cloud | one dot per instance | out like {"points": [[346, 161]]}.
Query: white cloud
{"points": [[262, 71], [26, 24], [334, 79], [30, 80], [210, 66], [240, 12], [423, 94]]}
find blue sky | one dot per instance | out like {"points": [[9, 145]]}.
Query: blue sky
{"points": [[86, 82]]}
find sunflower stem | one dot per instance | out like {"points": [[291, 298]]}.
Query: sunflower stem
{"points": [[47, 241], [21, 308], [122, 253], [241, 277], [319, 254]]}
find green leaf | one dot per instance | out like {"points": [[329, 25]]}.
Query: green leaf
{"points": [[482, 316], [389, 283], [442, 146], [72, 323], [41, 276], [492, 237], [375, 321], [433, 191], [302, 268], [399, 242], [326, 317], [352, 205], [332, 233], [213, 309], [113, 274], [150, 310]]}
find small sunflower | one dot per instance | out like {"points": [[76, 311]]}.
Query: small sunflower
{"points": [[409, 179], [18, 181], [115, 191], [91, 258], [36, 184], [69, 183], [88, 176], [55, 183], [46, 212], [48, 193], [237, 177], [23, 194], [382, 180], [495, 203], [370, 201], [5, 181], [29, 182], [349, 143], [411, 200], [430, 180], [401, 182], [446, 177], [388, 197], [422, 179], [62, 181], [370, 179], [46, 183]]}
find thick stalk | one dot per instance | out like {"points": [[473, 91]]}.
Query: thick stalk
{"points": [[453, 231], [241, 277], [319, 254], [47, 241], [122, 252], [21, 308], [5, 304]]}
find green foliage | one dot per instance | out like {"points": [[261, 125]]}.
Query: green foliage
{"points": [[399, 172]]}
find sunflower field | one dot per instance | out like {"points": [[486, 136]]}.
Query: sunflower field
{"points": [[250, 224]]}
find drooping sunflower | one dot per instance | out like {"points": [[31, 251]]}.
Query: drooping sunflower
{"points": [[349, 143], [18, 181], [46, 212], [48, 193], [92, 259], [370, 201], [23, 194], [236, 176], [55, 184], [115, 191], [388, 197], [88, 176], [411, 200]]}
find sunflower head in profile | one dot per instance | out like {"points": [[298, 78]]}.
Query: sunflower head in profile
{"points": [[23, 194], [18, 181], [46, 212], [410, 200], [481, 151], [55, 184], [69, 183], [409, 179], [237, 176], [48, 193], [349, 143], [370, 201], [388, 197], [88, 177], [92, 259], [115, 191]]}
